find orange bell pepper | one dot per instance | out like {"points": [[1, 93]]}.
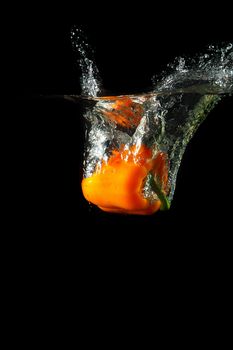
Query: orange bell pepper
{"points": [[117, 185]]}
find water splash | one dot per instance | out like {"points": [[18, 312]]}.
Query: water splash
{"points": [[90, 81], [163, 120], [208, 73]]}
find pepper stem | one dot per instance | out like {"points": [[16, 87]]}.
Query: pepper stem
{"points": [[165, 204]]}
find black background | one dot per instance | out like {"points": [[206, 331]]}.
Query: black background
{"points": [[71, 259], [128, 53]]}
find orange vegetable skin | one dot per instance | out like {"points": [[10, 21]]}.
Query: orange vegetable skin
{"points": [[116, 185]]}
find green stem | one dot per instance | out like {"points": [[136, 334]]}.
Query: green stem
{"points": [[165, 204]]}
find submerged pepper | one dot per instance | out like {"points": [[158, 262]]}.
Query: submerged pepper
{"points": [[117, 185]]}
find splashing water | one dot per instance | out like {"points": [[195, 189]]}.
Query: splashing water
{"points": [[162, 121], [90, 81]]}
